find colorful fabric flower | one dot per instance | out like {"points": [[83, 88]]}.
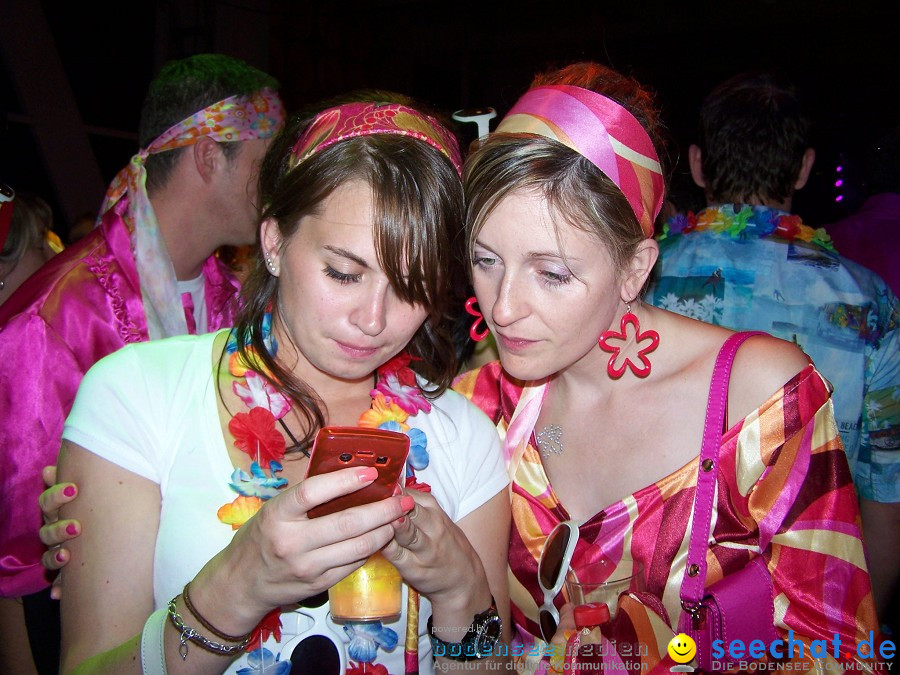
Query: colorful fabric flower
{"points": [[412, 483], [764, 221], [255, 434], [418, 442], [408, 397], [239, 365], [257, 392], [676, 224], [707, 219], [382, 411], [258, 483], [270, 625], [735, 226], [239, 511], [418, 448], [366, 638], [399, 364], [788, 227], [397, 382], [263, 662], [822, 238]]}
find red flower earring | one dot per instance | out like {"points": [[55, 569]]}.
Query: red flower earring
{"points": [[479, 317], [651, 335]]}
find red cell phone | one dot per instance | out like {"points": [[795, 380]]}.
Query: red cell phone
{"points": [[341, 447]]}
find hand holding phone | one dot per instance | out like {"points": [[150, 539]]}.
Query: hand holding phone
{"points": [[342, 447]]}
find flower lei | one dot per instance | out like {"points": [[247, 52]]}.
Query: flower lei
{"points": [[748, 221], [395, 398]]}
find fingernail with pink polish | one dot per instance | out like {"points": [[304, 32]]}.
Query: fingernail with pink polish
{"points": [[71, 529], [368, 474], [60, 557], [69, 491], [407, 503]]}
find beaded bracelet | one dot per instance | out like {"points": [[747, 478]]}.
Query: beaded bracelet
{"points": [[189, 634]]}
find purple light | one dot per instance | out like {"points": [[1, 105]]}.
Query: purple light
{"points": [[838, 183], [839, 198], [839, 168]]}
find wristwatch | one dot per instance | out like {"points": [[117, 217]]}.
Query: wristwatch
{"points": [[478, 642]]}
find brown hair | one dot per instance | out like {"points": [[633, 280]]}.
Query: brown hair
{"points": [[754, 132], [31, 219], [417, 211]]}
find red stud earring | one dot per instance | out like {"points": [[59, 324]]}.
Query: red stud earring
{"points": [[651, 335], [473, 331]]}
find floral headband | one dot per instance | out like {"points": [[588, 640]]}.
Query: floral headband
{"points": [[603, 132], [365, 119], [236, 118]]}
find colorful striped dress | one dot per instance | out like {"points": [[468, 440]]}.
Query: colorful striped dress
{"points": [[784, 492]]}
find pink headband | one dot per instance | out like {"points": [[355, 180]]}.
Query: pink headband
{"points": [[365, 119], [236, 118], [603, 132]]}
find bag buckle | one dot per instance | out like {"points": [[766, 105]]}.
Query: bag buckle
{"points": [[697, 612]]}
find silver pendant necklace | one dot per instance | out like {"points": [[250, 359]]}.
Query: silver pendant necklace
{"points": [[549, 440]]}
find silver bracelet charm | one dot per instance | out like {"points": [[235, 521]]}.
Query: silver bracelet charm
{"points": [[188, 634]]}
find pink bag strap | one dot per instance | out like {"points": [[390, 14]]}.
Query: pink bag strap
{"points": [[693, 583]]}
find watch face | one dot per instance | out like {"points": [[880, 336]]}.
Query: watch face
{"points": [[489, 632]]}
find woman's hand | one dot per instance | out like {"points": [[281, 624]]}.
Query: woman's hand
{"points": [[433, 554], [281, 556], [566, 627], [564, 631], [55, 532]]}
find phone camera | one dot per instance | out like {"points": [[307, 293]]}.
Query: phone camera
{"points": [[381, 460], [345, 457]]}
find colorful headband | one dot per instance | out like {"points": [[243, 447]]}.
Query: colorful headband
{"points": [[236, 118], [365, 119], [603, 132]]}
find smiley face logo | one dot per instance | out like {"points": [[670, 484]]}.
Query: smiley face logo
{"points": [[682, 648]]}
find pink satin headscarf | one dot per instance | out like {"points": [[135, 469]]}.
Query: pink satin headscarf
{"points": [[603, 132], [236, 118]]}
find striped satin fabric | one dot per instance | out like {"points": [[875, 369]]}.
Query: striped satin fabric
{"points": [[785, 493], [602, 131]]}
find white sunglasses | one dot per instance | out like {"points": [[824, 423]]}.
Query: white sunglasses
{"points": [[552, 568]]}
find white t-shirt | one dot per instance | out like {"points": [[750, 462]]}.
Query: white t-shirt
{"points": [[151, 408], [197, 288]]}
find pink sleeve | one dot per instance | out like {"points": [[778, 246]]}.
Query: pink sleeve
{"points": [[38, 380]]}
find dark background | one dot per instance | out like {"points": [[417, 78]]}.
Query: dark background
{"points": [[73, 74]]}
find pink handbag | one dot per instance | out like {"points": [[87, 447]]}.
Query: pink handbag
{"points": [[739, 606]]}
